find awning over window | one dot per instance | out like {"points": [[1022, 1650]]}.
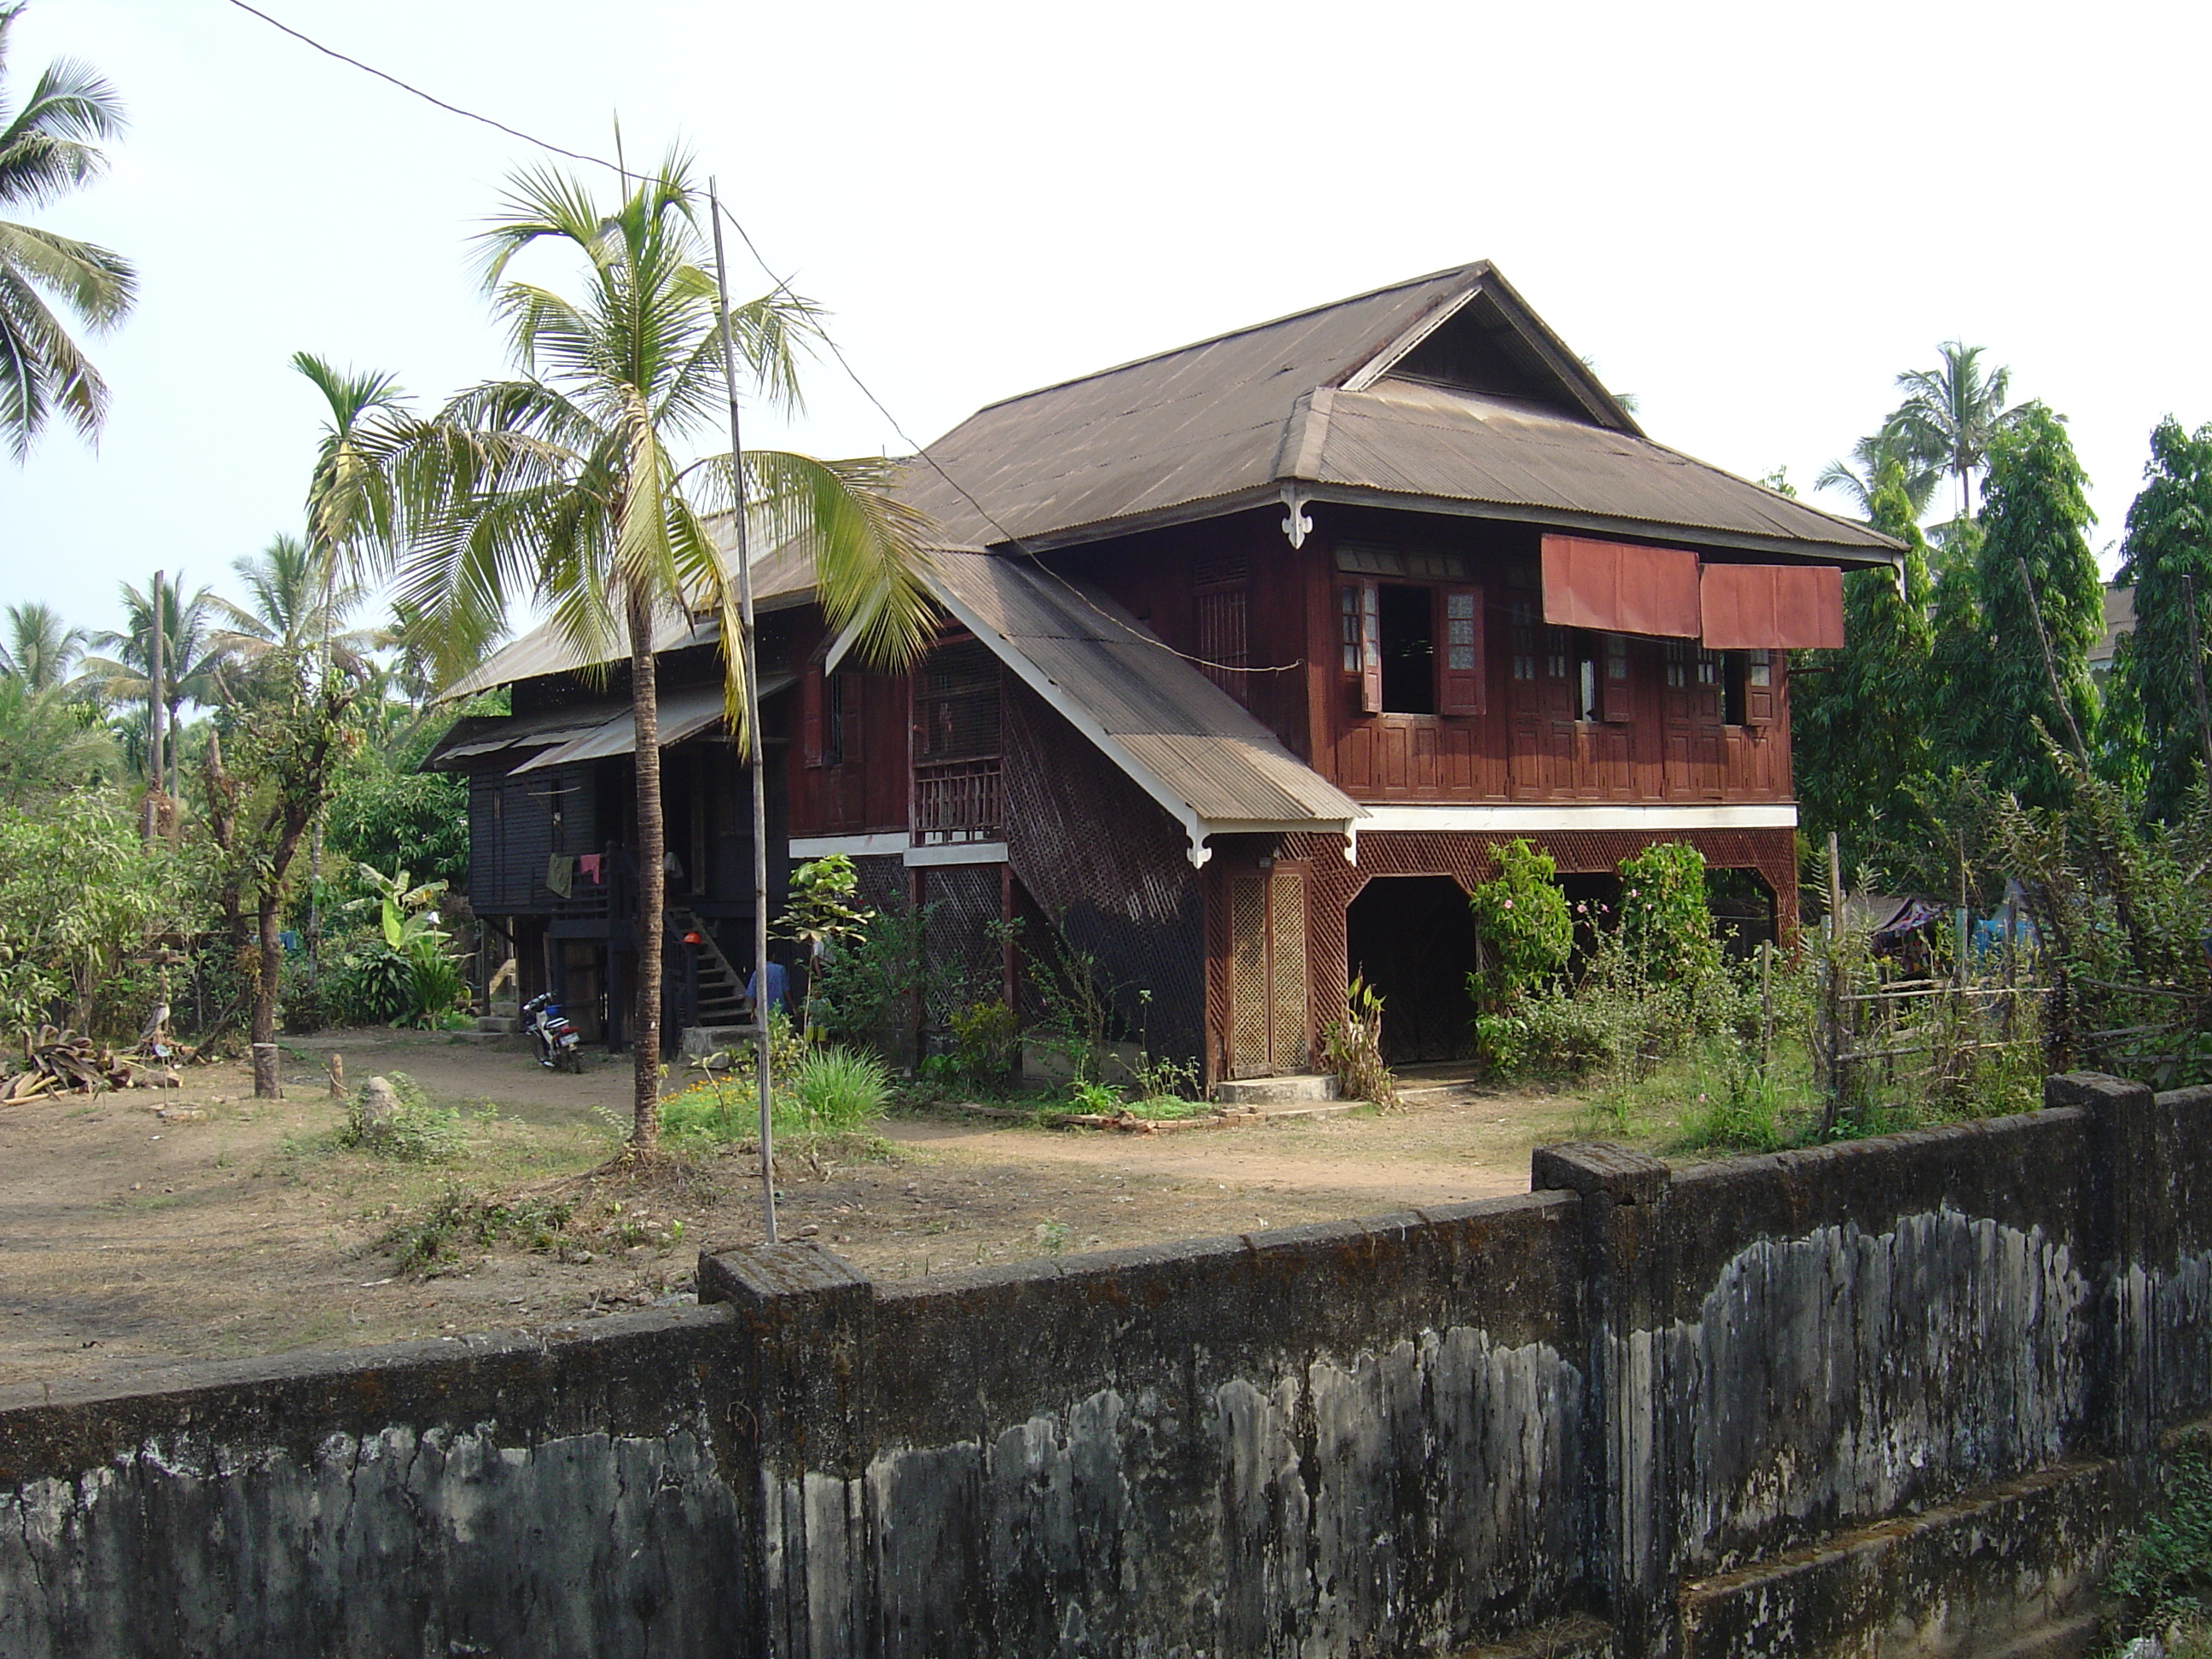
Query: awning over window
{"points": [[1771, 606], [1618, 587]]}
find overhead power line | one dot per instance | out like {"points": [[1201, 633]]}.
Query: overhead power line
{"points": [[782, 283]]}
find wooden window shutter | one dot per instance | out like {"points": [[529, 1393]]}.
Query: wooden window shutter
{"points": [[810, 715], [1359, 615], [1460, 676], [1761, 668], [1616, 688]]}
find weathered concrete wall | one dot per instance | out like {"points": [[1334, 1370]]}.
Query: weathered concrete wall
{"points": [[1871, 1328], [445, 1498], [1891, 1398], [1355, 1438]]}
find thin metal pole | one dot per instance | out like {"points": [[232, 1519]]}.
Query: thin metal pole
{"points": [[157, 767], [756, 750], [2197, 670]]}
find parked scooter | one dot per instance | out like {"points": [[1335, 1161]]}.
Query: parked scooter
{"points": [[559, 1046]]}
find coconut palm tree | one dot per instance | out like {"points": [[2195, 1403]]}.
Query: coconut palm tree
{"points": [[46, 152], [1951, 412], [192, 661], [564, 486], [293, 607], [41, 647], [1871, 456]]}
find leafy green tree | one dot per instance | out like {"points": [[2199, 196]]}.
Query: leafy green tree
{"points": [[385, 813], [40, 648], [46, 152], [1952, 414], [287, 733], [1859, 716], [80, 894], [2039, 606], [2169, 538], [564, 485]]}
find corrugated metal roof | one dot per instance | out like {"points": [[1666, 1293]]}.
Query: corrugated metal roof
{"points": [[682, 714], [1179, 735], [782, 576], [474, 736], [1236, 418]]}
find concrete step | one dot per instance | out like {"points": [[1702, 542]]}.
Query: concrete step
{"points": [[498, 1024], [1308, 1090]]}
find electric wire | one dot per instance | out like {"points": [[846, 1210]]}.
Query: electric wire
{"points": [[782, 285]]}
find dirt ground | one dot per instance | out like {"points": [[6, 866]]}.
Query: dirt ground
{"points": [[146, 1228]]}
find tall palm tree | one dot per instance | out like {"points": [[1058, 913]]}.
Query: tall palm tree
{"points": [[1951, 412], [192, 659], [1860, 479], [41, 647], [563, 484], [46, 152]]}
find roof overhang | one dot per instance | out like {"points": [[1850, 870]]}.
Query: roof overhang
{"points": [[1198, 829], [1274, 493]]}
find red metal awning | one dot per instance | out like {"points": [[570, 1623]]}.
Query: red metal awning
{"points": [[1619, 587], [1771, 606]]}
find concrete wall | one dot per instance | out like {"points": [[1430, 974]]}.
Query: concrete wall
{"points": [[1880, 1399]]}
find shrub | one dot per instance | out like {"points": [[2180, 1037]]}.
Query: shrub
{"points": [[1526, 932], [1352, 1048], [985, 1034], [1666, 920]]}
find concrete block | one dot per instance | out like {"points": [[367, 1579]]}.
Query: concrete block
{"points": [[700, 1041], [1311, 1088]]}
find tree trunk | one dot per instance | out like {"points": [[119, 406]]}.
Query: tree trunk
{"points": [[652, 878], [269, 967]]}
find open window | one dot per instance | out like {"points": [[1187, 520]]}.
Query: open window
{"points": [[1746, 687], [1409, 649]]}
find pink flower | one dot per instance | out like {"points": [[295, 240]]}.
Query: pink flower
{"points": [[1509, 904]]}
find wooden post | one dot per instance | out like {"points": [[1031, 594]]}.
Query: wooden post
{"points": [[337, 1077], [1765, 1005], [1831, 1016]]}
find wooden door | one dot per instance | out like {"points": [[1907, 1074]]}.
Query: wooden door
{"points": [[1542, 706], [1690, 715], [1268, 1003]]}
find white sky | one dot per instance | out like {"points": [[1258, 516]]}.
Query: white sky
{"points": [[1752, 217]]}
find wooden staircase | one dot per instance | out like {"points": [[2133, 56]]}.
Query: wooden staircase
{"points": [[721, 987]]}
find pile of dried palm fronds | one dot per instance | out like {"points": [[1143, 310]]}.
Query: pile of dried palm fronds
{"points": [[61, 1062]]}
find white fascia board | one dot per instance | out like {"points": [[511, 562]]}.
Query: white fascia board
{"points": [[879, 845], [1536, 819], [1194, 826], [956, 852]]}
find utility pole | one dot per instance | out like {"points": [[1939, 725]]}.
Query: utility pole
{"points": [[156, 770], [756, 750], [2197, 670]]}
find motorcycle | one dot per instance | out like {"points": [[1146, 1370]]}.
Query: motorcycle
{"points": [[560, 1048]]}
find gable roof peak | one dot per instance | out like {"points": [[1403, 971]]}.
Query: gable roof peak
{"points": [[1469, 275]]}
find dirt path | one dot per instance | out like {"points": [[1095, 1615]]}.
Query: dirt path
{"points": [[143, 1228]]}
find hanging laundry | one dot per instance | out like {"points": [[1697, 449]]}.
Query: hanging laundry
{"points": [[587, 865], [560, 874]]}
